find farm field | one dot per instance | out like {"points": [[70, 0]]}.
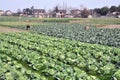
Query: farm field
{"points": [[73, 31], [9, 21], [59, 49], [36, 57]]}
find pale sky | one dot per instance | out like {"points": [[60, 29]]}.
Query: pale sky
{"points": [[13, 5]]}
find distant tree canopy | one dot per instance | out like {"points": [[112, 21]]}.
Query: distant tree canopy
{"points": [[27, 11], [118, 8], [113, 8], [97, 10], [105, 10]]}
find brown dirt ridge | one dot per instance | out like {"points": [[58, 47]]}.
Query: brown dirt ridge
{"points": [[111, 26], [10, 30]]}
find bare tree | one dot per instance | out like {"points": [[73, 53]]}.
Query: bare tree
{"points": [[85, 13], [19, 11]]}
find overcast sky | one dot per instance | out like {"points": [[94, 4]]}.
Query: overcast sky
{"points": [[13, 5]]}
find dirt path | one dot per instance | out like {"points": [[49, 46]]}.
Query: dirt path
{"points": [[111, 26], [9, 30]]}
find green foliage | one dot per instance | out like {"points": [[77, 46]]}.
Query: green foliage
{"points": [[117, 75], [109, 37], [72, 31], [113, 9], [26, 56], [104, 10]]}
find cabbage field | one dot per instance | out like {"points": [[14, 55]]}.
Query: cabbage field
{"points": [[57, 49], [94, 35], [30, 56]]}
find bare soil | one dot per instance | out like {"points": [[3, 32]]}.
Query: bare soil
{"points": [[111, 26], [10, 30]]}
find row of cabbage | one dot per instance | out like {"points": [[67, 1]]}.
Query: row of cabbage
{"points": [[110, 37], [53, 58], [11, 69]]}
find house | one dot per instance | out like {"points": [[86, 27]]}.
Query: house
{"points": [[113, 14], [69, 16], [1, 12], [8, 13], [118, 16], [58, 14], [61, 13], [39, 13], [31, 12], [90, 16], [76, 13], [51, 14]]}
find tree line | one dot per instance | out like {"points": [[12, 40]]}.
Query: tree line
{"points": [[105, 10]]}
